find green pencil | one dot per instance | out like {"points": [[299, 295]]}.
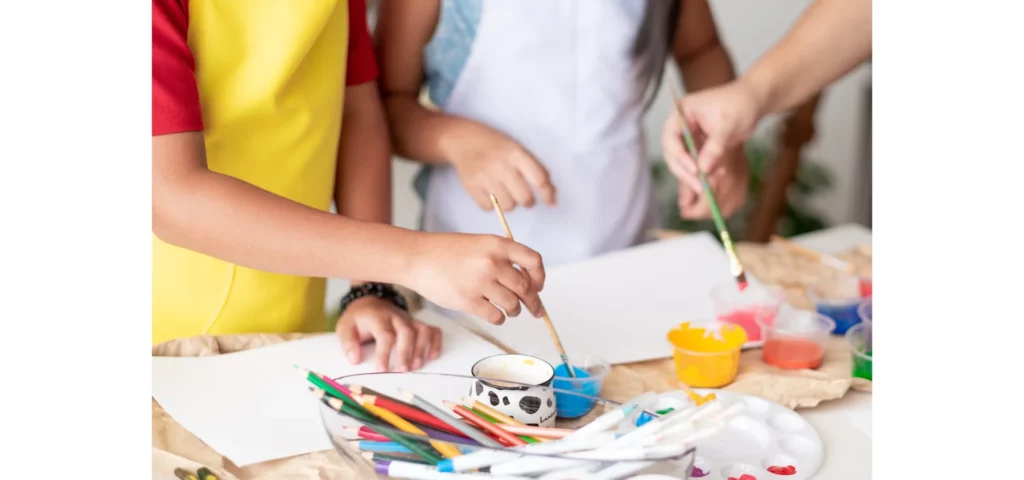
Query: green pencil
{"points": [[342, 407], [496, 422], [205, 474], [331, 390]]}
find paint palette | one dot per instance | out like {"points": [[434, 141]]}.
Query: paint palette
{"points": [[767, 441]]}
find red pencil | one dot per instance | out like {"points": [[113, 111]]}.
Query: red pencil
{"points": [[411, 413], [484, 424], [367, 434]]}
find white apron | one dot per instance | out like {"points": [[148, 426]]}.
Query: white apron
{"points": [[556, 76]]}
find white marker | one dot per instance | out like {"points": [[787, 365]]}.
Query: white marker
{"points": [[415, 471], [484, 458], [624, 469]]}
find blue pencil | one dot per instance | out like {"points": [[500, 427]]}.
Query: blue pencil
{"points": [[380, 447]]}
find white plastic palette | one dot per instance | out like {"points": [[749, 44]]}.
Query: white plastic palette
{"points": [[766, 434]]}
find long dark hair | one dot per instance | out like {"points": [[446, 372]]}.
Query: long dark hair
{"points": [[652, 45]]}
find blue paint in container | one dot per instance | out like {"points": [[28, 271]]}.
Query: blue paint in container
{"points": [[844, 313], [574, 406]]}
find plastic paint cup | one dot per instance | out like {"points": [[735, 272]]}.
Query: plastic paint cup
{"points": [[864, 310], [707, 357], [755, 306], [859, 338], [797, 339], [838, 299], [590, 374]]}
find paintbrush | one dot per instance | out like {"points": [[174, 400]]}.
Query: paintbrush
{"points": [[547, 319], [735, 267], [823, 258]]}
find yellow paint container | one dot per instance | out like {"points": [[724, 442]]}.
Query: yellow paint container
{"points": [[707, 357]]}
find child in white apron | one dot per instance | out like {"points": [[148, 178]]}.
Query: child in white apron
{"points": [[541, 103]]}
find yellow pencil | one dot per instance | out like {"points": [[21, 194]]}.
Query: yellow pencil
{"points": [[446, 449], [501, 417]]}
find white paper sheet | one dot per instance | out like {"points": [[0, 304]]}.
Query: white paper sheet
{"points": [[253, 406], [620, 306]]}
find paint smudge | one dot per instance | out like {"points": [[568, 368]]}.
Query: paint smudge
{"points": [[787, 470], [528, 362], [696, 472], [744, 477]]}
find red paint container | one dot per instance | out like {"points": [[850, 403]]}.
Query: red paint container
{"points": [[797, 339], [751, 309]]}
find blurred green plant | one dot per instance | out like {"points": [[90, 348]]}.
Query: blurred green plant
{"points": [[798, 216]]}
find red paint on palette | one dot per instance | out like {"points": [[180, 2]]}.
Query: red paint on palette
{"points": [[787, 470], [792, 353], [744, 477]]}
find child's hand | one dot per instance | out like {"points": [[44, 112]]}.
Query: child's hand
{"points": [[371, 318], [468, 273], [488, 161], [729, 184]]}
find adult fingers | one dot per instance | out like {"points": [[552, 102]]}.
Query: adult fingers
{"points": [[688, 177], [348, 335], [384, 336], [536, 175], [501, 296]]}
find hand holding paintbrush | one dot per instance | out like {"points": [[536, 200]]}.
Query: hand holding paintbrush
{"points": [[735, 267], [547, 319]]}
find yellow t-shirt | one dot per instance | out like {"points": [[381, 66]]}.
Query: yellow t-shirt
{"points": [[270, 77]]}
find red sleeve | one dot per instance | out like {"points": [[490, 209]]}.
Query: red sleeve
{"points": [[175, 94], [362, 67]]}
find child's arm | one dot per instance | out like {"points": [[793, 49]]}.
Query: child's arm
{"points": [[704, 63], [230, 219], [487, 160], [362, 191]]}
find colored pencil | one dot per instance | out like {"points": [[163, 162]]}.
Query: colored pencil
{"points": [[547, 320], [375, 457], [344, 408], [331, 387], [735, 267], [455, 423], [483, 424], [499, 424], [446, 449], [384, 447], [184, 474], [411, 413], [205, 474], [537, 432], [365, 433], [363, 390]]}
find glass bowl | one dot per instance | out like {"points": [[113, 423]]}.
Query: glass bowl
{"points": [[353, 443]]}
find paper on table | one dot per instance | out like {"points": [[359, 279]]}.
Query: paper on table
{"points": [[252, 406], [620, 306]]}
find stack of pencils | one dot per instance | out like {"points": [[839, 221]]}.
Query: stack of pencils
{"points": [[408, 437]]}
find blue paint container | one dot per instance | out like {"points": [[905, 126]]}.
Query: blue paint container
{"points": [[590, 373], [838, 299]]}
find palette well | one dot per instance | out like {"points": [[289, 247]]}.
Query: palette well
{"points": [[768, 441]]}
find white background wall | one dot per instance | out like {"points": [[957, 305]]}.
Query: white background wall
{"points": [[748, 28]]}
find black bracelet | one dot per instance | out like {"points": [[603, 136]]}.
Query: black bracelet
{"points": [[379, 290]]}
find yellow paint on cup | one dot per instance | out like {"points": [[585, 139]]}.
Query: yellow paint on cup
{"points": [[707, 358]]}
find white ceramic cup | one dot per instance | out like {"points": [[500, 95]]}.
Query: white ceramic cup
{"points": [[533, 404]]}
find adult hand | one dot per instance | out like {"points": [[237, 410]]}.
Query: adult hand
{"points": [[469, 273], [720, 119], [488, 161], [730, 186], [390, 327]]}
